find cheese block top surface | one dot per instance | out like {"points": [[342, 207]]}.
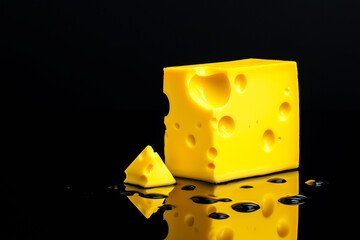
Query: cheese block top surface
{"points": [[250, 62]]}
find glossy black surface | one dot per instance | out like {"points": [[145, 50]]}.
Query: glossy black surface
{"points": [[191, 220], [67, 184]]}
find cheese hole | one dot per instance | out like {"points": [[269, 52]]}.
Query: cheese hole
{"points": [[199, 125], [143, 178], [211, 91], [212, 153], [268, 140], [225, 234], [240, 83], [190, 140], [148, 169], [189, 220], [268, 206], [177, 125], [279, 139], [211, 165], [283, 228], [226, 126], [284, 111]]}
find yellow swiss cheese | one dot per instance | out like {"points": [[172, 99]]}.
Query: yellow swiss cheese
{"points": [[148, 170], [232, 120]]}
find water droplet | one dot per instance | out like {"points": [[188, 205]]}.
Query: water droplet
{"points": [[167, 207], [216, 215], [246, 207], [144, 195], [316, 183], [113, 187], [246, 186], [294, 200], [152, 195], [277, 180], [188, 187], [205, 200], [225, 200], [128, 193]]}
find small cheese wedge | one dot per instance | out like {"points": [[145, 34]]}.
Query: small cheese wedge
{"points": [[148, 170]]}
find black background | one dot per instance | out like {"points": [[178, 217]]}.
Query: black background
{"points": [[81, 96]]}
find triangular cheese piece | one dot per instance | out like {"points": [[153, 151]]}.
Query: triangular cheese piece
{"points": [[148, 170]]}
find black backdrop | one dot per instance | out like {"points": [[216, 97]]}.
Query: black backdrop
{"points": [[81, 81], [110, 54]]}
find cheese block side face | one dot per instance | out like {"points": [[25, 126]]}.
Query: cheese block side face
{"points": [[148, 170], [232, 120]]}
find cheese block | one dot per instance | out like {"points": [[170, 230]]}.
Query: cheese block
{"points": [[270, 220], [148, 170], [232, 120]]}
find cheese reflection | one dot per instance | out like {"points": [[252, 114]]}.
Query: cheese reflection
{"points": [[148, 205], [273, 220]]}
